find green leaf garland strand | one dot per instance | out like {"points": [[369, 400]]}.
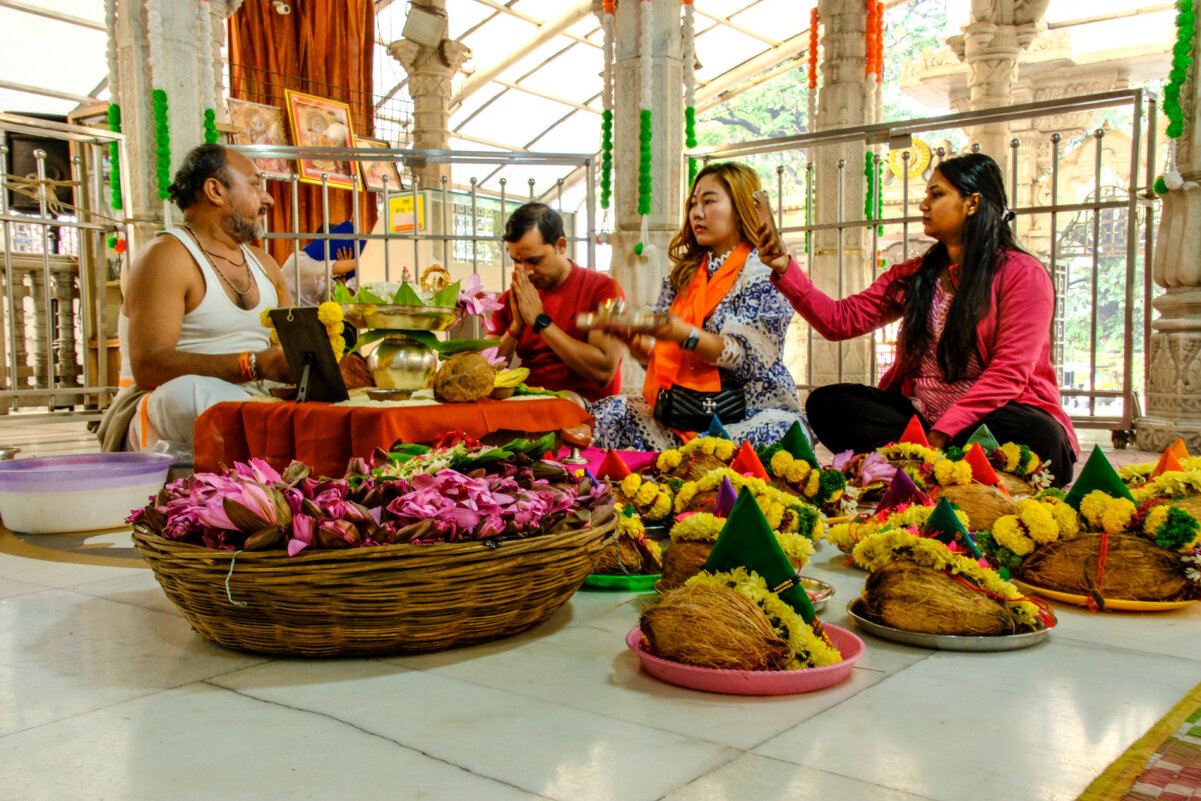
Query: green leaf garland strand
{"points": [[873, 202], [114, 155], [690, 140], [211, 135], [606, 180], [162, 143], [644, 162], [1182, 60]]}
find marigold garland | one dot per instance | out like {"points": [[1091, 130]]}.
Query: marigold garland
{"points": [[909, 450], [795, 515], [808, 648], [653, 501], [705, 527], [717, 447], [846, 535], [823, 487], [950, 473], [329, 314]]}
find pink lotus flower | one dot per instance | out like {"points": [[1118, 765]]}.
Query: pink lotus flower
{"points": [[475, 299]]}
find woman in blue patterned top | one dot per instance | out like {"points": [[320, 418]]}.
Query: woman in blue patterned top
{"points": [[724, 331]]}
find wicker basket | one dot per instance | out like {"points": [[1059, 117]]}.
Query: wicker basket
{"points": [[377, 600]]}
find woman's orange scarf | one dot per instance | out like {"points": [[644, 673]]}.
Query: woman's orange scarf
{"points": [[669, 363]]}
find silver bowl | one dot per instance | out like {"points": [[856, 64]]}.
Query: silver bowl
{"points": [[401, 318]]}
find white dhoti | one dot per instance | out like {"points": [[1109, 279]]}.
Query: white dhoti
{"points": [[166, 418]]}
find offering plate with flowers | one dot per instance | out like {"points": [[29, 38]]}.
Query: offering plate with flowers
{"points": [[406, 318]]}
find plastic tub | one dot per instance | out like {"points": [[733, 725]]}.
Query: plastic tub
{"points": [[78, 492]]}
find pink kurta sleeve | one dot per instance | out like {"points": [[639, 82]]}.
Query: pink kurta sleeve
{"points": [[841, 319]]}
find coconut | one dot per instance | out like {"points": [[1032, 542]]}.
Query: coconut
{"points": [[907, 596], [1016, 487], [463, 378], [355, 372], [625, 556], [713, 627], [702, 501], [981, 503], [1136, 569], [681, 561]]}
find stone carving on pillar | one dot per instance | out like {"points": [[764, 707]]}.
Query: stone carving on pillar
{"points": [[1173, 403], [430, 70], [991, 43]]}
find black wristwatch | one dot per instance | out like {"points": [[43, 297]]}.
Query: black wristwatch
{"points": [[540, 322]]}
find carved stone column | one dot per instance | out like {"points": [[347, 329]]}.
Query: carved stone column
{"points": [[847, 98], [430, 71], [641, 276], [1174, 382], [997, 33], [184, 46]]}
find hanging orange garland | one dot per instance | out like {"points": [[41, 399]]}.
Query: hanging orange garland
{"points": [[879, 42]]}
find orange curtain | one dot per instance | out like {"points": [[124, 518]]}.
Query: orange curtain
{"points": [[323, 48]]}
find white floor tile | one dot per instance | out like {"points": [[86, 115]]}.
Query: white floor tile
{"points": [[1061, 712], [63, 653], [199, 743], [543, 748], [751, 777]]}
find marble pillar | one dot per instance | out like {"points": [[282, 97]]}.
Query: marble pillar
{"points": [[847, 97], [998, 32], [184, 46], [430, 70], [641, 276], [1173, 403]]}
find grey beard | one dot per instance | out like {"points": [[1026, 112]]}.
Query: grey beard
{"points": [[241, 229]]}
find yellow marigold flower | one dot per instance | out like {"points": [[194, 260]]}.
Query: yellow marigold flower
{"points": [[1155, 518], [780, 462], [274, 337], [668, 460], [339, 347], [813, 484], [707, 445], [774, 515], [1093, 505], [1116, 518], [661, 507], [797, 471], [1067, 518], [1040, 524], [265, 319], [647, 494], [700, 527], [630, 484], [1008, 532], [724, 450], [1013, 454], [330, 313], [685, 496]]}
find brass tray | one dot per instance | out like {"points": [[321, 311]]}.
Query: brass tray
{"points": [[401, 318], [638, 322]]}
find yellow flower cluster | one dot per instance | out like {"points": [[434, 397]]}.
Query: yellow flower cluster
{"points": [[778, 507], [799, 474], [668, 460], [908, 450], [948, 473], [653, 501], [872, 553], [808, 649], [705, 527], [1156, 517], [1169, 485], [1036, 523], [717, 447], [1103, 513], [330, 316], [846, 535], [1136, 475], [1013, 457], [266, 322]]}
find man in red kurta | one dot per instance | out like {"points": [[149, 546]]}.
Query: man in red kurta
{"points": [[548, 291]]}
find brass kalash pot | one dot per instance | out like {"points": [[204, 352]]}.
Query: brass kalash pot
{"points": [[400, 361]]}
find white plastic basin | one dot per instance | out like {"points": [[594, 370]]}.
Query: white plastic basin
{"points": [[79, 492]]}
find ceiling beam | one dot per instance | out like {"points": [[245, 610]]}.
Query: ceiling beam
{"points": [[547, 31], [54, 15]]}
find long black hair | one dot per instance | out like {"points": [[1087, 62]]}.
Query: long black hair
{"points": [[986, 235]]}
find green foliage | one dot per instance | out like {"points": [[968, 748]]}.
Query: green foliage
{"points": [[996, 553]]}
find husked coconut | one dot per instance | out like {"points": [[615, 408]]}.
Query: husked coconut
{"points": [[463, 378]]}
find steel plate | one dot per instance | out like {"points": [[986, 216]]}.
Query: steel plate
{"points": [[945, 642]]}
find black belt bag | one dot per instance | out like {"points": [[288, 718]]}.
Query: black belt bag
{"points": [[692, 410]]}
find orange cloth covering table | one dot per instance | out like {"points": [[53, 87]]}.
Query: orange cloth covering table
{"points": [[326, 437]]}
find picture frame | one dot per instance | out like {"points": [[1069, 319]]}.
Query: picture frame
{"points": [[257, 124], [373, 172], [321, 122]]}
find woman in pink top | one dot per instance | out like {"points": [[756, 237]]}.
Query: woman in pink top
{"points": [[975, 339]]}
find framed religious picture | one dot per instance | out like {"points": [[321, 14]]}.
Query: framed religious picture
{"points": [[257, 124], [373, 172], [319, 122]]}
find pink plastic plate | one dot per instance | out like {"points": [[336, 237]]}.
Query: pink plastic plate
{"points": [[754, 682]]}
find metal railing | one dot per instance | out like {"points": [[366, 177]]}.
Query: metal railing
{"points": [[55, 354], [1117, 189]]}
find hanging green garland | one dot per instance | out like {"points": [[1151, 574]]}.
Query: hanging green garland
{"points": [[1182, 60], [873, 202], [606, 180], [114, 155], [162, 143], [690, 140], [211, 136], [644, 162]]}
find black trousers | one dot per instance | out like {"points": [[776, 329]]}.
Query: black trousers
{"points": [[861, 418]]}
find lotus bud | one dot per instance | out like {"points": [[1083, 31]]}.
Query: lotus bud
{"points": [[296, 472], [265, 540]]}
